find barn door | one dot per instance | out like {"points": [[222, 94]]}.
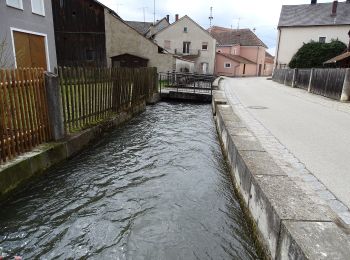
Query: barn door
{"points": [[30, 50]]}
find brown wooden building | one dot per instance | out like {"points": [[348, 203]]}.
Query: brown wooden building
{"points": [[79, 32]]}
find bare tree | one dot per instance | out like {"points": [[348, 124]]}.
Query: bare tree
{"points": [[5, 54]]}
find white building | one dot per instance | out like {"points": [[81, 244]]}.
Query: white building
{"points": [[299, 24], [187, 39]]}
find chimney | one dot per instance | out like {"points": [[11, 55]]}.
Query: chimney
{"points": [[176, 17], [313, 2], [334, 8], [167, 18]]}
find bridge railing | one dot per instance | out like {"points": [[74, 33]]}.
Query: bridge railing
{"points": [[186, 82]]}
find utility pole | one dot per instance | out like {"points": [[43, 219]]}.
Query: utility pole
{"points": [[211, 16]]}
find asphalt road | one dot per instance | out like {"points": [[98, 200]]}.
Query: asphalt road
{"points": [[315, 129]]}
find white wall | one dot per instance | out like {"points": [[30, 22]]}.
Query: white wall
{"points": [[196, 35], [181, 64], [292, 38]]}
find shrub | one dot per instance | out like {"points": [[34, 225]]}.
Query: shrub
{"points": [[314, 54]]}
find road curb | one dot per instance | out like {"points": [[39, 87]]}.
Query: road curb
{"points": [[289, 223]]}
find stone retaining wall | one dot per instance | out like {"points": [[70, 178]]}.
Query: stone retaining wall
{"points": [[289, 223]]}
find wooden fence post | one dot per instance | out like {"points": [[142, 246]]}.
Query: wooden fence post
{"points": [[285, 77], [294, 80], [55, 108], [310, 81], [345, 95]]}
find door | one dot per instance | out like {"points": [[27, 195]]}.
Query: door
{"points": [[30, 50], [260, 66], [205, 67]]}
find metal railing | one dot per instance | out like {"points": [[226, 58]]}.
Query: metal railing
{"points": [[186, 82]]}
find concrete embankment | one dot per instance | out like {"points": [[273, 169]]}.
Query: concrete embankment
{"points": [[18, 171], [290, 223]]}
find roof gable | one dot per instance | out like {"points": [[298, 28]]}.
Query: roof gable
{"points": [[182, 19], [314, 15], [141, 27], [243, 37]]}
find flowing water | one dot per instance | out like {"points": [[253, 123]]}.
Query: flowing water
{"points": [[155, 188]]}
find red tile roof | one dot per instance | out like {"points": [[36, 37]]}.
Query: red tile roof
{"points": [[236, 58], [243, 37]]}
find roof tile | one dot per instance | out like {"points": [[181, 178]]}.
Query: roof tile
{"points": [[244, 37], [314, 15]]}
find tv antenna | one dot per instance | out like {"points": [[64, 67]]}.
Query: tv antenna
{"points": [[154, 11], [238, 22], [118, 7], [144, 13], [211, 16]]}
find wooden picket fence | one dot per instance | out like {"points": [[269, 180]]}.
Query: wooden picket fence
{"points": [[90, 95], [23, 112]]}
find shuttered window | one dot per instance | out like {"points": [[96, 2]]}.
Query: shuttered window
{"points": [[30, 50], [38, 7]]}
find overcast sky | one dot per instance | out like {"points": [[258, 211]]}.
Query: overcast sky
{"points": [[259, 14]]}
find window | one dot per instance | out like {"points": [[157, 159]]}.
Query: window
{"points": [[322, 39], [167, 44], [244, 69], [186, 48], [38, 7], [185, 29], [204, 46], [15, 3], [234, 51], [90, 55], [227, 65]]}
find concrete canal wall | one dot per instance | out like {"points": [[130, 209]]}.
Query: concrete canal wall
{"points": [[289, 223], [18, 171]]}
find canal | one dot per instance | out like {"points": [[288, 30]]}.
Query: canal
{"points": [[155, 188]]}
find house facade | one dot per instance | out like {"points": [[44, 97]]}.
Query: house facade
{"points": [[189, 41], [239, 52], [27, 34], [125, 45], [320, 22], [79, 32]]}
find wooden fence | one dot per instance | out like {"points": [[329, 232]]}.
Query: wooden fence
{"points": [[303, 78], [90, 95], [328, 82], [325, 82], [23, 112]]}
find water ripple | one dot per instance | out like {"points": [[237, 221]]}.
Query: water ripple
{"points": [[155, 188]]}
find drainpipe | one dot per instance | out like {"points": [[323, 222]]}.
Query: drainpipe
{"points": [[257, 60]]}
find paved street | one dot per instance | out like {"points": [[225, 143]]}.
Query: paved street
{"points": [[314, 129]]}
